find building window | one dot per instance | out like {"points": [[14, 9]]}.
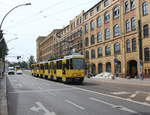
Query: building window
{"points": [[108, 67], [87, 54], [145, 8], [99, 21], [91, 12], [92, 39], [106, 3], [134, 45], [86, 28], [127, 25], [107, 17], [99, 36], [98, 8], [132, 4], [107, 33], [108, 51], [85, 16], [127, 8], [146, 31], [146, 54], [117, 48], [100, 52], [128, 46], [86, 42], [116, 30], [116, 12], [92, 25], [100, 68], [118, 67], [93, 53], [133, 24]]}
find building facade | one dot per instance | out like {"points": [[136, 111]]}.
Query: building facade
{"points": [[113, 35]]}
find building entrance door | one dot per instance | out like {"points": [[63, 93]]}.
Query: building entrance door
{"points": [[132, 68]]}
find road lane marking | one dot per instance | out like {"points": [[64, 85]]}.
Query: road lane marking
{"points": [[36, 91], [50, 93], [133, 95], [76, 105], [39, 107], [112, 96], [113, 105], [148, 98], [120, 93]]}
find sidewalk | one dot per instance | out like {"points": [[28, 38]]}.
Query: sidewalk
{"points": [[145, 82], [3, 97]]}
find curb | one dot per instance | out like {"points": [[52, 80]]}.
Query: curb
{"points": [[117, 81], [3, 97]]}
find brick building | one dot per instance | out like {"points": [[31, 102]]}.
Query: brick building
{"points": [[113, 35]]}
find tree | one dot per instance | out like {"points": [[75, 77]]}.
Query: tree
{"points": [[31, 61]]}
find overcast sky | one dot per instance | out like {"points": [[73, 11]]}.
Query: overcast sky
{"points": [[28, 22]]}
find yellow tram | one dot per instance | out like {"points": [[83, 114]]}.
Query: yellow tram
{"points": [[70, 69]]}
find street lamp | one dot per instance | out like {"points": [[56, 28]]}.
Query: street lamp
{"points": [[3, 50], [11, 40], [26, 4], [1, 32]]}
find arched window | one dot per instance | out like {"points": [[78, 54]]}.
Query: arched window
{"points": [[108, 51], [116, 30], [107, 17], [132, 4], [100, 68], [128, 46], [145, 8], [133, 24], [127, 25], [92, 39], [100, 52], [86, 27], [92, 25], [127, 8], [118, 67], [134, 44], [108, 67], [93, 53], [107, 33], [146, 54], [99, 36], [87, 54], [86, 41], [116, 12], [99, 21], [117, 48], [146, 31]]}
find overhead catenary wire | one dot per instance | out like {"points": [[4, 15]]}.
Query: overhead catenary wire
{"points": [[53, 14], [37, 13]]}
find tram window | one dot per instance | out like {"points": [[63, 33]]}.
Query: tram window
{"points": [[78, 63], [71, 65], [46, 66], [67, 64], [59, 65]]}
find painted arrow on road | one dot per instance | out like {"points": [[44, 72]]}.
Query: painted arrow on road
{"points": [[39, 107]]}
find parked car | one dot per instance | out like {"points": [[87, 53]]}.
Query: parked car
{"points": [[19, 72], [11, 71]]}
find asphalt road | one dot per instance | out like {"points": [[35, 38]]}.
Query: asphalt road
{"points": [[28, 95]]}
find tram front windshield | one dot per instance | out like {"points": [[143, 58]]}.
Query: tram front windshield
{"points": [[77, 63]]}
